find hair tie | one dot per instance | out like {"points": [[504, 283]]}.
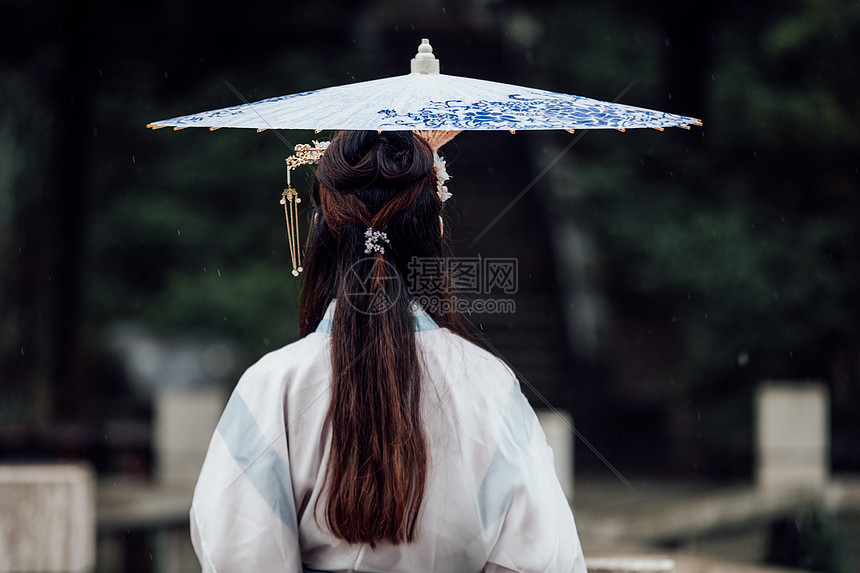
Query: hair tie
{"points": [[374, 238]]}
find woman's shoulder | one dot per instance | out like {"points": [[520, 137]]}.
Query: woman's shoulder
{"points": [[464, 363], [292, 362], [456, 347]]}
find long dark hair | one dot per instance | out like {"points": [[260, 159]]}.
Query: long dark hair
{"points": [[377, 468]]}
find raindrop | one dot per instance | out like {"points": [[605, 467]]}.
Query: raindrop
{"points": [[165, 75], [204, 269], [743, 359], [790, 354], [132, 159], [219, 272], [178, 233], [444, 10], [755, 154], [22, 351]]}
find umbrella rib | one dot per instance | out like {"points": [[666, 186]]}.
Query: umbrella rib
{"points": [[244, 100]]}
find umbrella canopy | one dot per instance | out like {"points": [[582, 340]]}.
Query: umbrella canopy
{"points": [[428, 100], [436, 106]]}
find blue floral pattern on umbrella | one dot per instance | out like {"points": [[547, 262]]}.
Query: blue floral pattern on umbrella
{"points": [[420, 101]]}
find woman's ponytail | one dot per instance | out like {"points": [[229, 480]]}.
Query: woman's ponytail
{"points": [[377, 467]]}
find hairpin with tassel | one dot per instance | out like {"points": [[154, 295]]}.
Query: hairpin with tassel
{"points": [[305, 154]]}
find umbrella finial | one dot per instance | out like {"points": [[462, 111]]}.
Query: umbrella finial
{"points": [[424, 61]]}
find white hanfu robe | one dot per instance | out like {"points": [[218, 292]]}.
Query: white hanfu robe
{"points": [[492, 501]]}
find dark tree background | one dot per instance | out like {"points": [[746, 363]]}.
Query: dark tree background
{"points": [[728, 254]]}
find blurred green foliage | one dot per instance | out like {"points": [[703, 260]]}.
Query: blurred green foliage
{"points": [[187, 232], [742, 233], [196, 240]]}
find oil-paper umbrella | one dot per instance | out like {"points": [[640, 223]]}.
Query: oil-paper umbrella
{"points": [[436, 105]]}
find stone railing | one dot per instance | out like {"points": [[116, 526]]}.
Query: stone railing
{"points": [[47, 519], [630, 565]]}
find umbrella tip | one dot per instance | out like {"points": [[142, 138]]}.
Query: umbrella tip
{"points": [[424, 61]]}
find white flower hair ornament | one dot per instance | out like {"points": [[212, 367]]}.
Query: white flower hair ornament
{"points": [[373, 241], [312, 153], [442, 177]]}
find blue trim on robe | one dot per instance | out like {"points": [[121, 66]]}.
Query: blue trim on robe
{"points": [[261, 465], [496, 494]]}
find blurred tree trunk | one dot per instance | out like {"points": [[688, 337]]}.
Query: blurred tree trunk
{"points": [[40, 216], [687, 39]]}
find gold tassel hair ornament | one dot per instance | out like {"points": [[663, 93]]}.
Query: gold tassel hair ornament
{"points": [[305, 154], [290, 200]]}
